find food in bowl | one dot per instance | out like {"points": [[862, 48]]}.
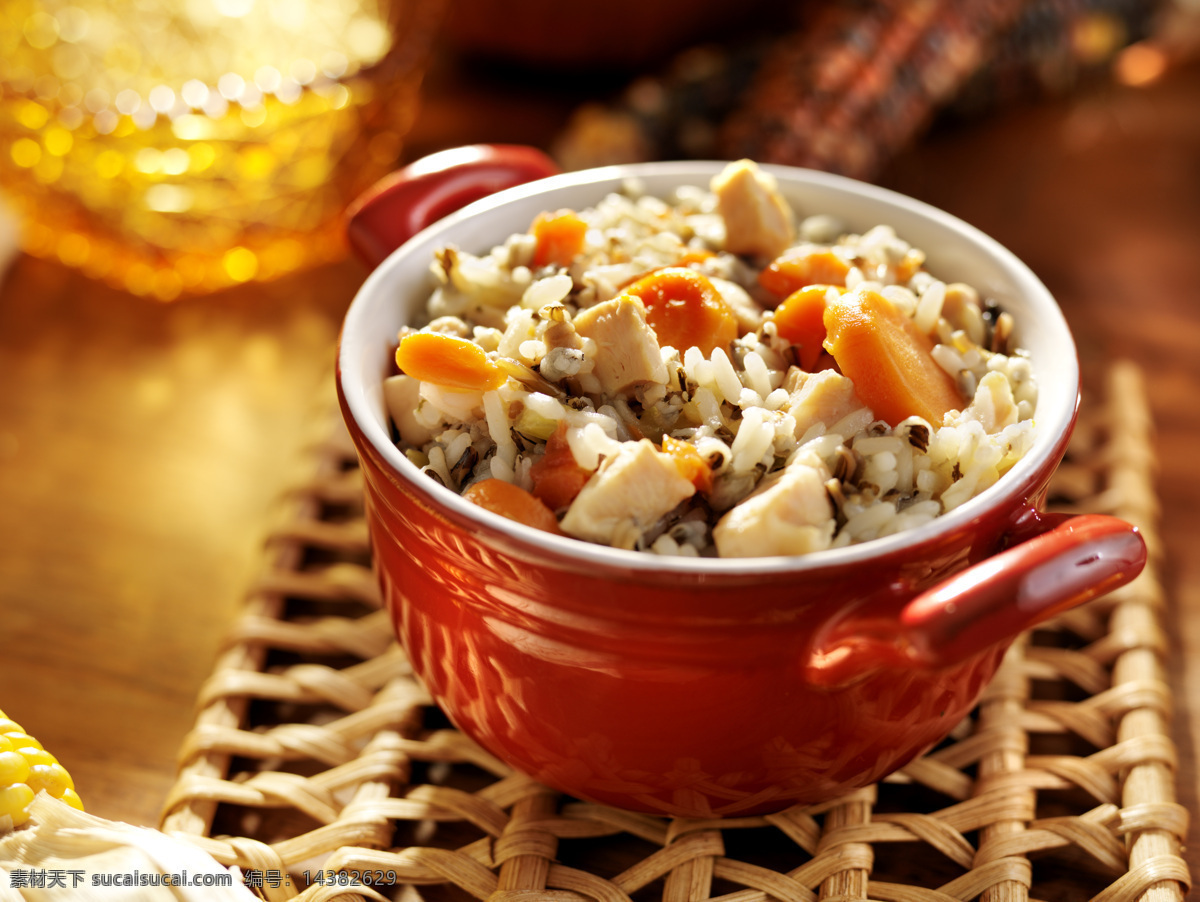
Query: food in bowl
{"points": [[710, 373]]}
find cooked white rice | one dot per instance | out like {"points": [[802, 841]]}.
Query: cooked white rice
{"points": [[787, 478]]}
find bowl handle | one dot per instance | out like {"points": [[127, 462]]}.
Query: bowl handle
{"points": [[404, 202], [1069, 560]]}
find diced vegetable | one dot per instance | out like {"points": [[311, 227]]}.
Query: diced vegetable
{"points": [[908, 266], [689, 463], [881, 350], [559, 237], [447, 361], [801, 320], [685, 309], [801, 266], [27, 769], [533, 425], [695, 255], [557, 478], [513, 502]]}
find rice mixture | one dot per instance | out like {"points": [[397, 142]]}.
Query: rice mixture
{"points": [[709, 374]]}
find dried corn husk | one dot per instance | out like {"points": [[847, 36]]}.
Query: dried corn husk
{"points": [[84, 852]]}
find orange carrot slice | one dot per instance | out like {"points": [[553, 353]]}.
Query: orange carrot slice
{"points": [[447, 361], [888, 359], [559, 237], [689, 463], [798, 267], [557, 479], [908, 266], [513, 502], [685, 309], [801, 320]]}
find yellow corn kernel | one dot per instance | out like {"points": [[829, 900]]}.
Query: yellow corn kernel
{"points": [[22, 740], [71, 797], [13, 768], [14, 802], [34, 756], [51, 778]]}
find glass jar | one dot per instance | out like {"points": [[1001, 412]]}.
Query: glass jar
{"points": [[174, 147]]}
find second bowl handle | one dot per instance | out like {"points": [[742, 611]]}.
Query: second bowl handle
{"points": [[1079, 558], [403, 203], [1069, 560]]}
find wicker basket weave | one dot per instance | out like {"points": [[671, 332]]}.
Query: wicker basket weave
{"points": [[317, 761]]}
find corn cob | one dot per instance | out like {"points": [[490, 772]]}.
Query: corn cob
{"points": [[1056, 46], [25, 770], [860, 80], [853, 83]]}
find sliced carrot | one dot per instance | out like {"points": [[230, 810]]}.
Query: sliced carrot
{"points": [[447, 361], [798, 267], [824, 362], [557, 479], [888, 359], [908, 266], [685, 309], [559, 237], [513, 502], [801, 320], [689, 463]]}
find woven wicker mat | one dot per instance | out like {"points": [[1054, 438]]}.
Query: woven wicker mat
{"points": [[318, 762]]}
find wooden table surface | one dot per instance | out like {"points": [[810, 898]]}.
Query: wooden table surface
{"points": [[144, 447]]}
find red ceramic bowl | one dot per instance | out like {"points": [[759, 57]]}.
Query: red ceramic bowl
{"points": [[711, 687]]}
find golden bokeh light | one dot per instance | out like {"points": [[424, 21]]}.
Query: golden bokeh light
{"points": [[183, 146], [1140, 64]]}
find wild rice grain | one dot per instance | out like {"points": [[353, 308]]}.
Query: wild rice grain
{"points": [[929, 307], [753, 440], [498, 427], [725, 375], [757, 374]]}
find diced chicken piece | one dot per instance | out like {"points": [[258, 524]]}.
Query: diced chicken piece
{"points": [[747, 310], [993, 405], [790, 515], [822, 397], [628, 494], [758, 221], [627, 352], [401, 396]]}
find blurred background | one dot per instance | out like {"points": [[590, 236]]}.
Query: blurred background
{"points": [[172, 149], [173, 270]]}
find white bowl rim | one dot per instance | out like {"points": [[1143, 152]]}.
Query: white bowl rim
{"points": [[1012, 489]]}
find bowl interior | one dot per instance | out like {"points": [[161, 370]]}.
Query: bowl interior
{"points": [[397, 290]]}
